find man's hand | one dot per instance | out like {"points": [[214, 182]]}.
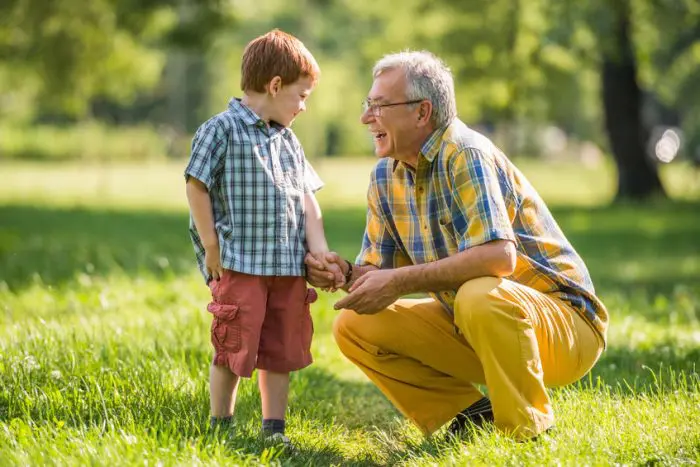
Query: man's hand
{"points": [[372, 292], [212, 261], [324, 270]]}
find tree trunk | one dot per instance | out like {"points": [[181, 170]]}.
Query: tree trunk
{"points": [[638, 177]]}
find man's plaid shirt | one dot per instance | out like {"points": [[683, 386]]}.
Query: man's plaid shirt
{"points": [[257, 177], [465, 192]]}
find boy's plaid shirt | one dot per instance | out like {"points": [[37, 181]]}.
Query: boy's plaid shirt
{"points": [[463, 193], [257, 177]]}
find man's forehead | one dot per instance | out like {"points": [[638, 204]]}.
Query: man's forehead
{"points": [[388, 84]]}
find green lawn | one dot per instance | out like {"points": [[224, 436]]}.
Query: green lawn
{"points": [[104, 346]]}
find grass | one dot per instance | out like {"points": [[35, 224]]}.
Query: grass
{"points": [[104, 344]]}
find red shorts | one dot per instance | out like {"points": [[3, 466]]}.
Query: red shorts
{"points": [[261, 322]]}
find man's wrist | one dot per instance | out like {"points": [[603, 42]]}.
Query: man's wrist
{"points": [[347, 271]]}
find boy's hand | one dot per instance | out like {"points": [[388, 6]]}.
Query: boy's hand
{"points": [[212, 261], [338, 276], [326, 271]]}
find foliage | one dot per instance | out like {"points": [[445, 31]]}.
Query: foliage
{"points": [[66, 52]]}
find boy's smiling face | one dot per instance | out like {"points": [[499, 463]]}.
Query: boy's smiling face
{"points": [[288, 101]]}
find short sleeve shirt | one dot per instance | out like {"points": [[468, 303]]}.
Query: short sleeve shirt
{"points": [[257, 176], [465, 192]]}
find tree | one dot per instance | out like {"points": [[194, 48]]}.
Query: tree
{"points": [[70, 51], [644, 51], [629, 135]]}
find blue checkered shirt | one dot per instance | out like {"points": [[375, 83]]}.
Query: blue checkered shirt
{"points": [[257, 176]]}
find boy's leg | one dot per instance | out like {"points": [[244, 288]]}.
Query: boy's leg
{"points": [[285, 342], [223, 385], [238, 306], [274, 394]]}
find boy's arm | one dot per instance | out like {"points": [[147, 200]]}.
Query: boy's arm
{"points": [[201, 210], [316, 239], [315, 235]]}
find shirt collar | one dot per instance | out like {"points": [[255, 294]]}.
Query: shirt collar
{"points": [[244, 112], [431, 146], [249, 117], [433, 143]]}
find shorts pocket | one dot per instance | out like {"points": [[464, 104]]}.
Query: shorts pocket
{"points": [[307, 321], [225, 327]]}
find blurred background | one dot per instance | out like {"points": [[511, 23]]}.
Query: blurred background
{"points": [[605, 82], [104, 343]]}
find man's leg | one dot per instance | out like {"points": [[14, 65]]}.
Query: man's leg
{"points": [[525, 340], [413, 353]]}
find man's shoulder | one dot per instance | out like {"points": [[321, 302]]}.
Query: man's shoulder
{"points": [[459, 138], [383, 169]]}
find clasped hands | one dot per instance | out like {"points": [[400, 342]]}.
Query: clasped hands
{"points": [[372, 292]]}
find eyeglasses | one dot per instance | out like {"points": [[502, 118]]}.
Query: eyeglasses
{"points": [[376, 109]]}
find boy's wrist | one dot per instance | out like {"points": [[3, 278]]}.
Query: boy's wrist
{"points": [[211, 246]]}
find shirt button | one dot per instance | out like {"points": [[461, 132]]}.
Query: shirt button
{"points": [[420, 189]]}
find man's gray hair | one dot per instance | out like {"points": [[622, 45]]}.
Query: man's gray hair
{"points": [[427, 77]]}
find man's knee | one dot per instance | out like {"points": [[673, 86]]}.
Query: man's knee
{"points": [[474, 300]]}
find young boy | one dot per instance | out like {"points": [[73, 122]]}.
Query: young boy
{"points": [[253, 216]]}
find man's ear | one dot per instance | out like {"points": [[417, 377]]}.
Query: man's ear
{"points": [[425, 110], [274, 86]]}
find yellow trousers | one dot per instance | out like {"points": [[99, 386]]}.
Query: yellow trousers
{"points": [[515, 340]]}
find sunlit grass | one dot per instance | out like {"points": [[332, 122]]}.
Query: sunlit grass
{"points": [[104, 337]]}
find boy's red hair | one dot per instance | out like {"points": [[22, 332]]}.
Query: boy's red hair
{"points": [[276, 54]]}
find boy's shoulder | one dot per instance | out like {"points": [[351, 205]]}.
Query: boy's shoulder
{"points": [[221, 124], [289, 134]]}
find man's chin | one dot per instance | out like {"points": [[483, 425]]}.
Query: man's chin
{"points": [[381, 153]]}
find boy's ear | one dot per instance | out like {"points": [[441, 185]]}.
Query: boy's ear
{"points": [[274, 86]]}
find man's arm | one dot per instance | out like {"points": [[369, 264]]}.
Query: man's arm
{"points": [[495, 258], [373, 291], [484, 234]]}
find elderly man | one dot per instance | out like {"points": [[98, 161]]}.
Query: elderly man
{"points": [[511, 303]]}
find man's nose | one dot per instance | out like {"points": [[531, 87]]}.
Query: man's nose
{"points": [[367, 117]]}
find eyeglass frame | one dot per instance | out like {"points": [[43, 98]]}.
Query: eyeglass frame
{"points": [[376, 108]]}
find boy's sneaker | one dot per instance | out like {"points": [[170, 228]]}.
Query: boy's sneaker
{"points": [[221, 424], [279, 440]]}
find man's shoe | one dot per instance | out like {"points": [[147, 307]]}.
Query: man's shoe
{"points": [[463, 424]]}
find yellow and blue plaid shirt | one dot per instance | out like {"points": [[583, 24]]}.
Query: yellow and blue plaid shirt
{"points": [[465, 192]]}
